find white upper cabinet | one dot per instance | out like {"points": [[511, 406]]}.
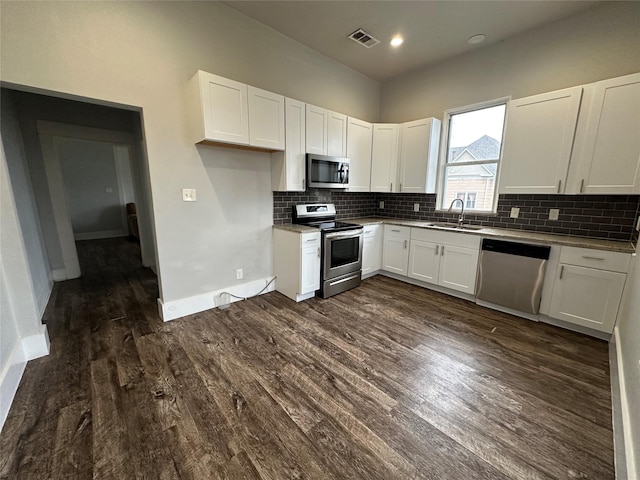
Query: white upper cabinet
{"points": [[538, 141], [316, 130], [231, 112], [336, 134], [359, 139], [606, 155], [326, 132], [266, 119], [224, 112], [419, 156], [288, 167], [384, 157]]}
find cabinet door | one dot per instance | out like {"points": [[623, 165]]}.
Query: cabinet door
{"points": [[288, 167], [395, 254], [424, 261], [537, 142], [458, 266], [224, 108], [359, 138], [266, 119], [336, 134], [384, 157], [419, 155], [587, 297], [316, 130], [371, 249], [607, 149], [310, 269]]}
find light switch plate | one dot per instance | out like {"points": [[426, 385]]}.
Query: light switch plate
{"points": [[416, 207], [515, 212], [188, 194], [554, 213]]}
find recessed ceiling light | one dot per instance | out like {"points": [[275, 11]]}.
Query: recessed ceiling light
{"points": [[397, 41], [477, 39]]}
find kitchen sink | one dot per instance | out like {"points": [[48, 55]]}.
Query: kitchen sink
{"points": [[457, 226]]}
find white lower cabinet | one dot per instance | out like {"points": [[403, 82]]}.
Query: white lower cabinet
{"points": [[443, 258], [588, 287], [395, 249], [371, 250], [296, 262]]}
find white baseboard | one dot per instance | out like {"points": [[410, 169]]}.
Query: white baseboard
{"points": [[199, 303], [100, 234], [629, 447], [59, 274], [27, 348]]}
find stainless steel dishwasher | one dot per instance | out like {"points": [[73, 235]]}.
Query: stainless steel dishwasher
{"points": [[511, 274]]}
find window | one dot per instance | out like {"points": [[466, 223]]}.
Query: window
{"points": [[469, 199], [469, 165]]}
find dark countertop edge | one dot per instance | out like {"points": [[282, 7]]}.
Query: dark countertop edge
{"points": [[523, 235]]}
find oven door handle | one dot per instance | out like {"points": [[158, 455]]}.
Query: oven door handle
{"points": [[344, 234]]}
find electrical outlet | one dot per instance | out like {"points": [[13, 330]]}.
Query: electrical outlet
{"points": [[515, 212], [554, 213], [188, 194], [239, 274], [381, 205], [416, 207]]}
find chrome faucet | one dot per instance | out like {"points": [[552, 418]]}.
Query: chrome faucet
{"points": [[461, 217]]}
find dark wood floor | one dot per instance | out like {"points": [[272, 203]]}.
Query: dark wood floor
{"points": [[386, 381]]}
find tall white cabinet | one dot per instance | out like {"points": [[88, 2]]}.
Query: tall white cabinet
{"points": [[538, 141], [359, 139], [419, 156], [606, 154], [384, 157], [288, 170]]}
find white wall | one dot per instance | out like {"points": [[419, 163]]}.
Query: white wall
{"points": [[598, 43], [143, 54], [23, 336], [628, 345], [27, 209]]}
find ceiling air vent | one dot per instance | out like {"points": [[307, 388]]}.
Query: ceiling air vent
{"points": [[363, 38]]}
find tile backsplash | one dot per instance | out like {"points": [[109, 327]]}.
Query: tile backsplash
{"points": [[610, 217]]}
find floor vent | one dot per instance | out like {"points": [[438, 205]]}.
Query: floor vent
{"points": [[363, 38]]}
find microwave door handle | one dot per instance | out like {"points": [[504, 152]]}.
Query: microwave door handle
{"points": [[346, 173]]}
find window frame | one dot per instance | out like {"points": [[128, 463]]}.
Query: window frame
{"points": [[444, 150]]}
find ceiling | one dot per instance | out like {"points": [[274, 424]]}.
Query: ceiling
{"points": [[433, 30]]}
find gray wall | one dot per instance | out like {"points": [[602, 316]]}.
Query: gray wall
{"points": [[27, 209], [143, 54], [91, 187], [599, 43]]}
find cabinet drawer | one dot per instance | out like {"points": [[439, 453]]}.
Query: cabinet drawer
{"points": [[310, 239], [370, 231], [600, 259], [465, 240], [397, 231]]}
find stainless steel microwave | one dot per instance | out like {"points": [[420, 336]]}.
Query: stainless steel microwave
{"points": [[327, 172]]}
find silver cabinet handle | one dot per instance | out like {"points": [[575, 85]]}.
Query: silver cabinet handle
{"points": [[581, 185], [397, 231], [442, 251], [391, 187], [304, 181], [587, 257], [561, 271], [437, 249], [401, 187], [311, 240], [405, 244], [318, 252], [559, 185], [367, 231]]}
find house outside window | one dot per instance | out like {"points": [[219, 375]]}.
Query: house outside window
{"points": [[469, 199], [472, 146]]}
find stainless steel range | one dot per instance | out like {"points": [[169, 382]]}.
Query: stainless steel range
{"points": [[341, 265]]}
